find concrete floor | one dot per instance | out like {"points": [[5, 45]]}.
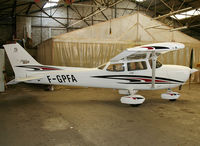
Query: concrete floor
{"points": [[30, 116]]}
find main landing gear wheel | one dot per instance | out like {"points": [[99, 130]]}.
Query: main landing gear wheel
{"points": [[170, 95], [133, 100], [135, 105]]}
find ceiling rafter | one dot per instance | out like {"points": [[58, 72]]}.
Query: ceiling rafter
{"points": [[25, 8], [172, 10], [101, 11], [29, 7], [41, 9], [11, 6], [97, 12], [77, 12]]}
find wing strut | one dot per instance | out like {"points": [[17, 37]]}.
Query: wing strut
{"points": [[154, 59]]}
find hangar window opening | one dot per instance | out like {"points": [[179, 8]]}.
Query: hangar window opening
{"points": [[186, 14], [132, 66], [116, 67], [51, 3], [140, 1]]}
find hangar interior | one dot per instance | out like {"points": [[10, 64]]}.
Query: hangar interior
{"points": [[88, 33]]}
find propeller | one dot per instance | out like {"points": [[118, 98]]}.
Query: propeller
{"points": [[180, 87], [191, 65], [191, 59]]}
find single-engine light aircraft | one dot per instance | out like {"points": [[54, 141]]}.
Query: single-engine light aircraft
{"points": [[132, 70]]}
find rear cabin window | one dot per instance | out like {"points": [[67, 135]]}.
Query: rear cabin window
{"points": [[132, 66], [116, 67]]}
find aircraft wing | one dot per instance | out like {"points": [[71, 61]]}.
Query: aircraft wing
{"points": [[158, 48]]}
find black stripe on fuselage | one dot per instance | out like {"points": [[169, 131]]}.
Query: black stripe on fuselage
{"points": [[137, 76], [147, 83], [159, 47]]}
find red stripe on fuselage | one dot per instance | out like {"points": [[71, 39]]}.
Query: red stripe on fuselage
{"points": [[45, 68], [149, 48], [150, 80]]}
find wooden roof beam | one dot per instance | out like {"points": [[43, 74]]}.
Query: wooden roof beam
{"points": [[173, 13], [96, 12]]}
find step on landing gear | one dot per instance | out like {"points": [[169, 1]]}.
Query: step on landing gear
{"points": [[132, 99], [170, 95]]}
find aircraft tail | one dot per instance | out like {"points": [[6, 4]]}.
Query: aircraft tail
{"points": [[19, 58]]}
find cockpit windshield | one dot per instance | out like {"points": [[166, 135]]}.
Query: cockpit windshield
{"points": [[158, 64]]}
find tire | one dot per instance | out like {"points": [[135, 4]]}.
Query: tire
{"points": [[172, 99], [135, 105]]}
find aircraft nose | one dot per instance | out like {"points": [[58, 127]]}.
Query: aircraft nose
{"points": [[193, 70], [177, 72]]}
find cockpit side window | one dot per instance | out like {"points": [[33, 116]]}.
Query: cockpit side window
{"points": [[158, 64], [132, 66], [116, 67]]}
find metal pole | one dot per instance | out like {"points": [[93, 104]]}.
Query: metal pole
{"points": [[67, 19], [154, 58], [2, 70]]}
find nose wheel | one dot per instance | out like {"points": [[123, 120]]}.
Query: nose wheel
{"points": [[170, 95]]}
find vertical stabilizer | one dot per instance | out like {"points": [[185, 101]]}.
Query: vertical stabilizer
{"points": [[19, 57]]}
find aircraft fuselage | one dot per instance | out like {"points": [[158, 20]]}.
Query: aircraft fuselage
{"points": [[167, 76]]}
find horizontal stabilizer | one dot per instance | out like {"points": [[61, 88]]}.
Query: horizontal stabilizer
{"points": [[12, 82], [17, 80]]}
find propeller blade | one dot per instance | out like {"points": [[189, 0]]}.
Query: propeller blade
{"points": [[191, 59], [191, 65], [190, 80], [180, 87]]}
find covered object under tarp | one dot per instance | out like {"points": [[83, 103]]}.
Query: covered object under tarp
{"points": [[95, 45]]}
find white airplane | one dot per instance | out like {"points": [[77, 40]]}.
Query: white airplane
{"points": [[132, 70]]}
